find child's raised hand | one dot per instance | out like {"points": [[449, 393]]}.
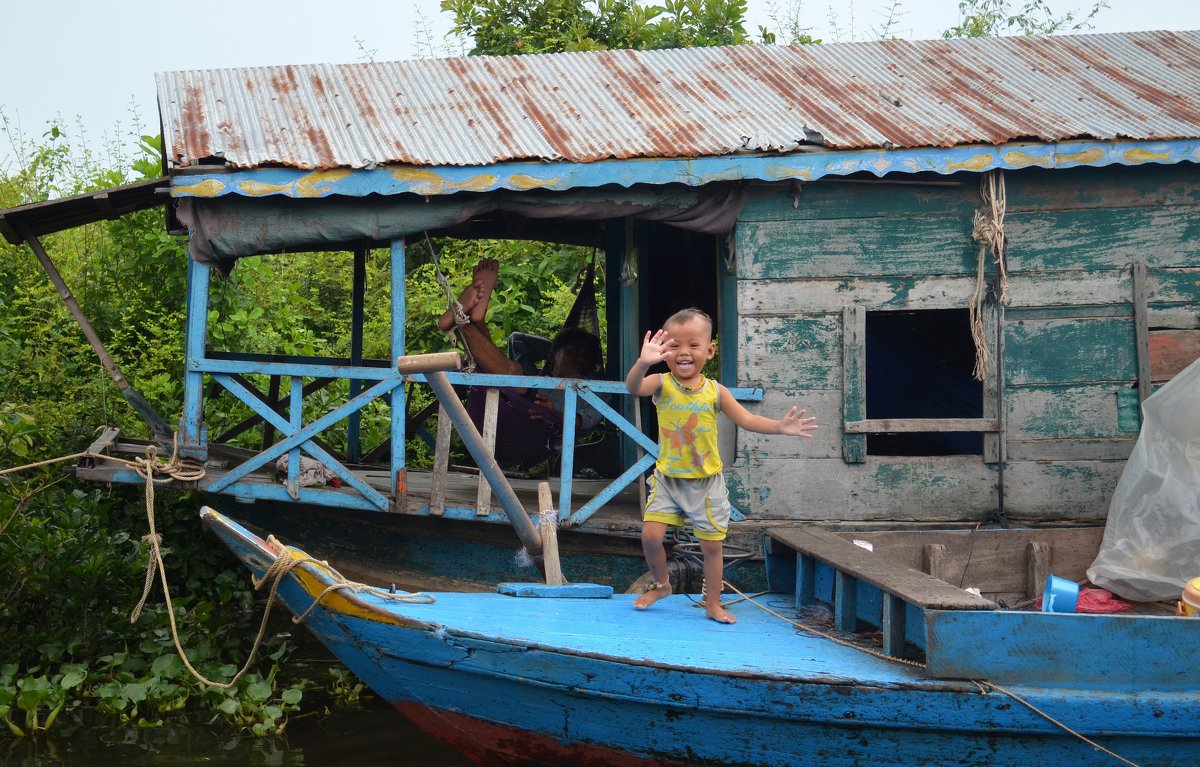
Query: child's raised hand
{"points": [[795, 424], [654, 349]]}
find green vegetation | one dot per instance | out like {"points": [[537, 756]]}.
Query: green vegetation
{"points": [[992, 18], [502, 27], [72, 554]]}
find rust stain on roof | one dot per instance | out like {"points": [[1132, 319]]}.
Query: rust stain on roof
{"points": [[683, 103]]}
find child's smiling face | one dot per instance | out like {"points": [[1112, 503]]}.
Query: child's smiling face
{"points": [[689, 348]]}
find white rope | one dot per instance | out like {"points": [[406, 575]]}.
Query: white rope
{"points": [[452, 302], [983, 685]]}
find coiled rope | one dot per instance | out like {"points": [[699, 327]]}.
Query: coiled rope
{"points": [[156, 471], [988, 231], [983, 685]]}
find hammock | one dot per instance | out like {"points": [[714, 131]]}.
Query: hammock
{"points": [[528, 432]]}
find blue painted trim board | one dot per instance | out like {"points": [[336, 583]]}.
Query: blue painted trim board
{"points": [[561, 176]]}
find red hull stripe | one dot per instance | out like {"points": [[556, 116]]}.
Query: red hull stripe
{"points": [[491, 744]]}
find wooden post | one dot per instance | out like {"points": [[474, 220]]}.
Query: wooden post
{"points": [[1141, 326], [854, 381], [413, 364], [935, 560], [1037, 567], [641, 480], [893, 619], [491, 409], [441, 465], [159, 427], [548, 528]]}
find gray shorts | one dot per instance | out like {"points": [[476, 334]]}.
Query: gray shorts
{"points": [[677, 500]]}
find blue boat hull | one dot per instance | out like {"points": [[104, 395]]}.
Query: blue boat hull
{"points": [[511, 680]]}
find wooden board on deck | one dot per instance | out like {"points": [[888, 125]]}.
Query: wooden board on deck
{"points": [[913, 586], [994, 560]]}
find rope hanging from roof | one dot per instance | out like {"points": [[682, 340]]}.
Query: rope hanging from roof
{"points": [[988, 231], [460, 317]]}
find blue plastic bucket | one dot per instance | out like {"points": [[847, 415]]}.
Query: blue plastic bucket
{"points": [[1060, 596]]}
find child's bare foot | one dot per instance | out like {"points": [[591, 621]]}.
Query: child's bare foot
{"points": [[719, 614], [652, 595], [486, 274]]}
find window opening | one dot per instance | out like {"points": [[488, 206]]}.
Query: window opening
{"points": [[919, 365]]}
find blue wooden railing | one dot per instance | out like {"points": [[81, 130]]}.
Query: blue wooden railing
{"points": [[380, 382]]}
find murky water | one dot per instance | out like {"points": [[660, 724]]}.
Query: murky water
{"points": [[370, 735]]}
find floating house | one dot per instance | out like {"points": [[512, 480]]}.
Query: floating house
{"points": [[971, 260]]}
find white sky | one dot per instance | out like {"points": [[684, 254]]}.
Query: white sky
{"points": [[91, 64]]}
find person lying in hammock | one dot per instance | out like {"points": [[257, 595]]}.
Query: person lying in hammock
{"points": [[573, 353]]}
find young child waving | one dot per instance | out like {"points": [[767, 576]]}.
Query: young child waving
{"points": [[687, 482]]}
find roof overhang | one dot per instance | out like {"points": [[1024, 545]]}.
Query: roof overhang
{"points": [[40, 218]]}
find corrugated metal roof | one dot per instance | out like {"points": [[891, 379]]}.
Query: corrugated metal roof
{"points": [[583, 107]]}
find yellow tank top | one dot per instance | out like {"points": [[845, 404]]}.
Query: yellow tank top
{"points": [[687, 429]]}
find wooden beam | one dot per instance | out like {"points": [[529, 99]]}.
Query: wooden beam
{"points": [[933, 557], [1141, 326], [1037, 567], [158, 425], [893, 625], [491, 410], [854, 381], [913, 586], [898, 425]]}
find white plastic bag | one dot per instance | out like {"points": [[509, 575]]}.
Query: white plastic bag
{"points": [[1151, 544]]}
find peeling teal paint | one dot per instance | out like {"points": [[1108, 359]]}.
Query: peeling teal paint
{"points": [[907, 475], [1129, 410], [1069, 351]]}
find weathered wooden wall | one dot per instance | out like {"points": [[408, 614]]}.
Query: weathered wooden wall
{"points": [[1068, 348]]}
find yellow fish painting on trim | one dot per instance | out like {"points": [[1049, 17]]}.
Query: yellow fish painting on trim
{"points": [[978, 162], [1024, 159], [525, 181], [255, 188], [414, 176], [1144, 155], [307, 185], [209, 187], [1084, 156], [481, 183]]}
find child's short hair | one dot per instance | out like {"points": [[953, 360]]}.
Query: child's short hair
{"points": [[687, 315]]}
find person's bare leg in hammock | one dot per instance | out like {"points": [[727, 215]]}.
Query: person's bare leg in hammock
{"points": [[474, 298], [575, 353], [475, 334]]}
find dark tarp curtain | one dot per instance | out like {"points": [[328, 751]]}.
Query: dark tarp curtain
{"points": [[223, 229]]}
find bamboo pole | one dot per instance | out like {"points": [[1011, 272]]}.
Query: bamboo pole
{"points": [[548, 529], [158, 425], [486, 462]]}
